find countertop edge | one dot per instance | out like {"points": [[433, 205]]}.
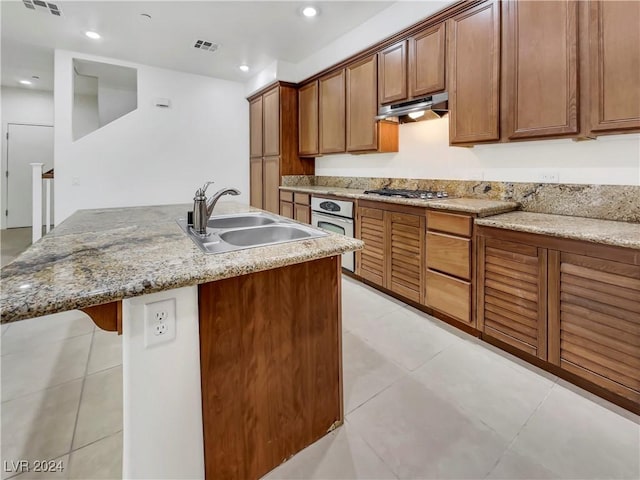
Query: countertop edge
{"points": [[147, 286], [596, 238]]}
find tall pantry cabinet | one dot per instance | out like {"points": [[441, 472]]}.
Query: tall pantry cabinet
{"points": [[273, 144]]}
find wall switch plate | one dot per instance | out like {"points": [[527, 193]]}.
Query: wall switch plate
{"points": [[159, 322], [75, 181], [549, 176]]}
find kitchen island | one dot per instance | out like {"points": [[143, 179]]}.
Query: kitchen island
{"points": [[254, 372]]}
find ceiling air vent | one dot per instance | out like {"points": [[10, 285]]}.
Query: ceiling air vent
{"points": [[41, 6], [204, 45]]}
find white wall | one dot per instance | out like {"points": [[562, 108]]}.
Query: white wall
{"points": [[425, 153], [162, 403], [85, 115], [152, 155], [115, 102], [21, 105]]}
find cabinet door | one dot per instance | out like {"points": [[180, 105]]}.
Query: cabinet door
{"points": [[473, 66], [362, 106], [332, 113], [512, 294], [271, 122], [271, 184], [255, 127], [427, 62], [371, 263], [286, 209], [308, 119], [392, 73], [614, 63], [540, 68], [406, 255], [255, 182], [594, 320], [302, 213]]}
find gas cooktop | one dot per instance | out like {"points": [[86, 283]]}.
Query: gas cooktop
{"points": [[404, 193]]}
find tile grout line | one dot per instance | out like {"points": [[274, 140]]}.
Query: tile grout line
{"points": [[375, 452], [48, 387], [39, 344], [84, 380], [513, 440]]}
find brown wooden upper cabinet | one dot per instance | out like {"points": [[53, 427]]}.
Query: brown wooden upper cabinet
{"points": [[427, 61], [539, 68], [271, 123], [473, 68], [362, 105], [392, 73], [255, 127], [273, 142], [331, 115], [308, 119], [614, 66], [414, 67]]}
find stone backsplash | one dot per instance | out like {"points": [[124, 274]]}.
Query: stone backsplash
{"points": [[608, 202]]}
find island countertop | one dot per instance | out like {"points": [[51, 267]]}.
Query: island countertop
{"points": [[478, 206], [105, 255]]}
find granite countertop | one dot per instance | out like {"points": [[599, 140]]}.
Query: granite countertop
{"points": [[477, 206], [608, 232], [99, 256]]}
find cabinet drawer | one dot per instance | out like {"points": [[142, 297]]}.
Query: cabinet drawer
{"points": [[449, 295], [449, 223], [286, 196], [301, 198], [449, 254]]}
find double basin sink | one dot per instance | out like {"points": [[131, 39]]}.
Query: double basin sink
{"points": [[228, 233]]}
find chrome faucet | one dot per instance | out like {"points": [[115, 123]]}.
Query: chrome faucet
{"points": [[203, 208]]}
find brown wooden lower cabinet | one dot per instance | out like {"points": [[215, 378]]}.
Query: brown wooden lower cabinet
{"points": [[449, 265], [296, 206], [393, 256], [594, 321], [271, 370], [512, 294], [574, 304]]}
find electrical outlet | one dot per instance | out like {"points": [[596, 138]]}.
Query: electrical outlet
{"points": [[549, 176], [159, 322]]}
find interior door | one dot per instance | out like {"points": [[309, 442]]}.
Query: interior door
{"points": [[26, 144]]}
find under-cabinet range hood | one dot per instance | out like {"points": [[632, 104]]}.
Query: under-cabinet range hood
{"points": [[436, 103]]}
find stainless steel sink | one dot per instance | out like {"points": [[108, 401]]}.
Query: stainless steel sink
{"points": [[240, 221], [228, 233], [248, 237]]}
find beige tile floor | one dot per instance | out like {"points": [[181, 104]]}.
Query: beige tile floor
{"points": [[422, 400]]}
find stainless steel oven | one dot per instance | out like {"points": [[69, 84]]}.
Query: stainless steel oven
{"points": [[335, 216]]}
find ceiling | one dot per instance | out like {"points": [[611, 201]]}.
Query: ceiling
{"points": [[252, 32]]}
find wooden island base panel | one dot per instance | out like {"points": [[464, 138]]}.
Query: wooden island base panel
{"points": [[271, 369]]}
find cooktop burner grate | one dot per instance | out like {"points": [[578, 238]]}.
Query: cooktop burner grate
{"points": [[405, 193]]}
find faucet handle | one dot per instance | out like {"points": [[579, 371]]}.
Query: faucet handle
{"points": [[201, 191]]}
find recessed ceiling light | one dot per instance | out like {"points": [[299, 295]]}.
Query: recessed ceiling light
{"points": [[309, 11], [244, 68], [26, 82], [92, 35]]}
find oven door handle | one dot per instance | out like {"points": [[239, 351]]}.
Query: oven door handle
{"points": [[332, 218]]}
